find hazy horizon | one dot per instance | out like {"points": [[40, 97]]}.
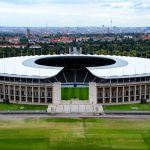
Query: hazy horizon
{"points": [[72, 26]]}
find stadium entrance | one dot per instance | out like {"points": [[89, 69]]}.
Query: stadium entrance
{"points": [[74, 98], [75, 92]]}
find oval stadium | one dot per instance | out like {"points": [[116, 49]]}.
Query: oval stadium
{"points": [[49, 79]]}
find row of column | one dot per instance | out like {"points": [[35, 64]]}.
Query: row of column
{"points": [[26, 93], [97, 93], [132, 95]]}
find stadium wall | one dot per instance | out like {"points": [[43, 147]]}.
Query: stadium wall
{"points": [[123, 92], [20, 92], [46, 93]]}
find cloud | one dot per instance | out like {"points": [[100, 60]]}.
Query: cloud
{"points": [[133, 4], [74, 12], [141, 5], [65, 1]]}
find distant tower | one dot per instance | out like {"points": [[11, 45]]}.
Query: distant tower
{"points": [[41, 32], [28, 33], [70, 50], [46, 29], [103, 26], [74, 50], [111, 23], [80, 50]]}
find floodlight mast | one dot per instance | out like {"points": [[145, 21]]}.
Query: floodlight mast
{"points": [[75, 51]]}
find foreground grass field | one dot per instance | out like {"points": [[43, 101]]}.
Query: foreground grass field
{"points": [[74, 134], [80, 93], [133, 107], [21, 107]]}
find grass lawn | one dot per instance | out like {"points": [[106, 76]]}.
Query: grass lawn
{"points": [[69, 93], [132, 107], [74, 134], [21, 107]]}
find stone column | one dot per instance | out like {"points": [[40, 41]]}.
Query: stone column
{"points": [[92, 93], [56, 93], [103, 95], [140, 92], [117, 94], [135, 93], [110, 94], [14, 93], [32, 95], [26, 94], [123, 94], [20, 93], [129, 94], [39, 94], [4, 96], [46, 94], [9, 92], [145, 91]]}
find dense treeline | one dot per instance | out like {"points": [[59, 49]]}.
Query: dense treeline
{"points": [[126, 47]]}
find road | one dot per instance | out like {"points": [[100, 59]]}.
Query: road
{"points": [[23, 116]]}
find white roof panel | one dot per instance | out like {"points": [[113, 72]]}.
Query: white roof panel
{"points": [[134, 67], [14, 67]]}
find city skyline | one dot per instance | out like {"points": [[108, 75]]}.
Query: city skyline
{"points": [[59, 13]]}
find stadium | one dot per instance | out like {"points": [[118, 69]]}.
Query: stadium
{"points": [[54, 79]]}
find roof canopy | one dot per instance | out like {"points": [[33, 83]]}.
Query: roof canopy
{"points": [[123, 67]]}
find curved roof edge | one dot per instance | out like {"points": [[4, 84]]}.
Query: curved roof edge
{"points": [[125, 67]]}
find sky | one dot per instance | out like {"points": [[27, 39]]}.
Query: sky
{"points": [[60, 13]]}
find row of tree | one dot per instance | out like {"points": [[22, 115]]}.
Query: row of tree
{"points": [[126, 47]]}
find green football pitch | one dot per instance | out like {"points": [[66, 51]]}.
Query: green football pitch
{"points": [[74, 134], [77, 93]]}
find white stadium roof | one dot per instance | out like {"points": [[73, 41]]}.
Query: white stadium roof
{"points": [[13, 67], [123, 68], [136, 67]]}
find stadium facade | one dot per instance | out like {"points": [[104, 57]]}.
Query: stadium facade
{"points": [[39, 79]]}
